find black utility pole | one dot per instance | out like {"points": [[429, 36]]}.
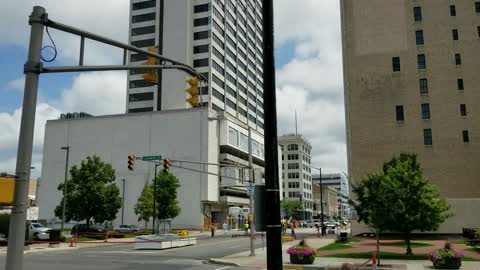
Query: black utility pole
{"points": [[274, 229], [154, 197], [123, 200], [321, 198]]}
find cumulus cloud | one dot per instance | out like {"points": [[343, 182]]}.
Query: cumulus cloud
{"points": [[17, 84]]}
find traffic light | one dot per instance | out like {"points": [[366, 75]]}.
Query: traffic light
{"points": [[7, 189], [194, 92], [166, 166], [131, 162], [151, 76]]}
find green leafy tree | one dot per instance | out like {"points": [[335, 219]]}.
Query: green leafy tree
{"points": [[291, 206], [166, 196], [91, 193], [400, 199], [144, 206]]}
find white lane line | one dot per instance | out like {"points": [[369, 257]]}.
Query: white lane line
{"points": [[226, 267]]}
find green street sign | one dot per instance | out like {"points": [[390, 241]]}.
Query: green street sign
{"points": [[151, 158]]}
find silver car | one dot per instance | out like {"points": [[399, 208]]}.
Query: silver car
{"points": [[39, 232], [126, 228]]}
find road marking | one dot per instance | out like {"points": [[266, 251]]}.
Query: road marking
{"points": [[237, 246], [226, 267]]}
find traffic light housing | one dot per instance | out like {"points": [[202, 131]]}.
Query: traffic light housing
{"points": [[131, 162], [194, 92], [166, 165], [152, 75], [7, 189]]}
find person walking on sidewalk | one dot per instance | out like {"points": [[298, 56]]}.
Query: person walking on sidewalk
{"points": [[324, 230], [225, 228], [292, 231], [247, 225], [212, 229]]}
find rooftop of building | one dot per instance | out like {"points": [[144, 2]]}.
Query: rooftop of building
{"points": [[286, 138]]}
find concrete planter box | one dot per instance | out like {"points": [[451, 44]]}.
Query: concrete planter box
{"points": [[162, 242]]}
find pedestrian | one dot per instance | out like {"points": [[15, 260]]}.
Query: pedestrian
{"points": [[324, 229], [246, 228], [292, 231], [212, 229], [284, 227], [225, 228], [318, 230]]}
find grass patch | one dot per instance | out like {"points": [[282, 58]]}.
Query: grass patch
{"points": [[389, 256], [353, 240], [335, 246], [474, 249], [412, 245]]}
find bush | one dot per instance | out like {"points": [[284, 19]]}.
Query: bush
{"points": [[55, 235], [116, 235], [4, 224]]}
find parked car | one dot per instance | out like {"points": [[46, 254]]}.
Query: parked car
{"points": [[126, 228], [92, 230], [39, 232], [312, 223]]}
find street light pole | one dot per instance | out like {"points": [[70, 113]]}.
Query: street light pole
{"points": [[123, 199], [67, 148], [321, 198]]}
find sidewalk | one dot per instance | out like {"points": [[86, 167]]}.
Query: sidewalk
{"points": [[259, 261]]}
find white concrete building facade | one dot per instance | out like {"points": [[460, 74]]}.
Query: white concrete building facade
{"points": [[339, 182], [297, 171]]}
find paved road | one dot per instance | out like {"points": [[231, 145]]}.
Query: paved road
{"points": [[124, 257]]}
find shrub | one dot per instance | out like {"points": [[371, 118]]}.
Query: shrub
{"points": [[116, 235], [444, 255]]}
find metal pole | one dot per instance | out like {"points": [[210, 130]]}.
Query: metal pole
{"points": [[272, 196], [65, 187], [251, 184], [123, 199], [321, 199], [18, 216], [154, 199]]}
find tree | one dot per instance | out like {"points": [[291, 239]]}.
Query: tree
{"points": [[91, 193], [292, 207], [400, 199], [144, 206], [166, 196]]}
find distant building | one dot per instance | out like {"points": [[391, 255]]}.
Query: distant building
{"points": [[411, 76], [339, 182], [329, 200], [296, 171]]}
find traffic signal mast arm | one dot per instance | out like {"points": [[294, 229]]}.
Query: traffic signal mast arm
{"points": [[174, 64]]}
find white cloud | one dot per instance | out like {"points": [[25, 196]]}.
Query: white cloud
{"points": [[17, 84]]}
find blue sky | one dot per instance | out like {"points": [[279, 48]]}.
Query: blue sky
{"points": [[308, 62]]}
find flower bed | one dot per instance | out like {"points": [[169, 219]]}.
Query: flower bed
{"points": [[446, 258], [301, 254]]}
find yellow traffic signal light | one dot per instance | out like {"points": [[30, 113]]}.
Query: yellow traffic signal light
{"points": [[194, 92], [7, 189], [131, 162], [166, 165], [152, 75]]}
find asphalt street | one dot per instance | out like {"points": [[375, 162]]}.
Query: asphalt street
{"points": [[125, 257]]}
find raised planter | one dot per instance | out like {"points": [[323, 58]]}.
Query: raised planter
{"points": [[297, 259], [450, 263]]}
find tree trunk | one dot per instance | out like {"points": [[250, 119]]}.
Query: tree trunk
{"points": [[409, 248], [378, 248], [88, 222]]}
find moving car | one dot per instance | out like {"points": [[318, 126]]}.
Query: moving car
{"points": [[126, 228], [39, 232]]}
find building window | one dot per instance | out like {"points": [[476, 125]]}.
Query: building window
{"points": [[140, 97], [231, 104], [292, 147], [419, 37], [455, 34], [463, 110], [143, 18], [425, 111], [421, 61], [417, 14], [427, 136], [396, 64], [140, 83], [138, 110], [138, 57], [458, 59], [460, 84], [201, 8], [144, 43], [399, 110], [200, 62], [201, 49], [201, 21], [477, 6], [143, 30], [478, 30], [201, 35], [453, 11], [465, 136], [423, 87], [232, 136], [143, 5]]}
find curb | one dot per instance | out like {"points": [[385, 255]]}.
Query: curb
{"points": [[220, 262], [299, 267]]}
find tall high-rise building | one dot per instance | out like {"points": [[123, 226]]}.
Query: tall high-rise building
{"points": [[220, 38], [411, 85], [339, 182], [297, 171]]}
